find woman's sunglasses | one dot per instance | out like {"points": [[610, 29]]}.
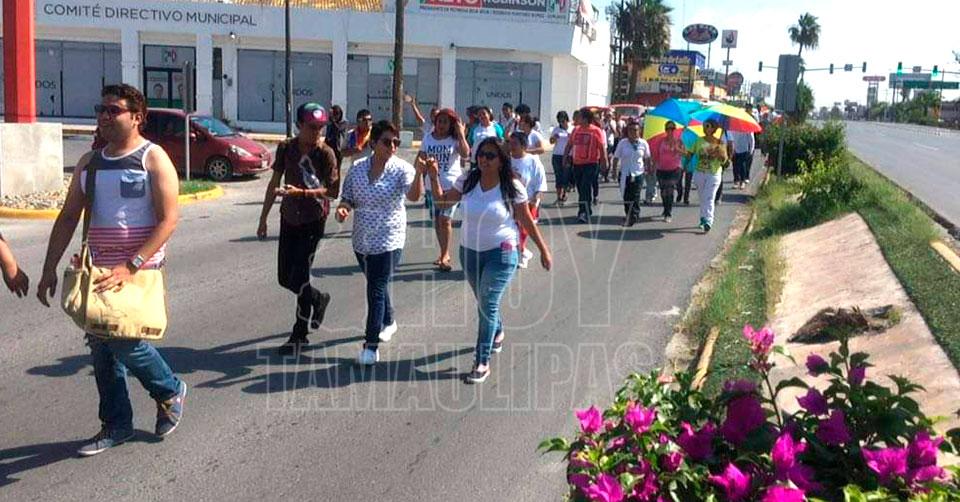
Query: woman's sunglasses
{"points": [[112, 110], [394, 142], [489, 155]]}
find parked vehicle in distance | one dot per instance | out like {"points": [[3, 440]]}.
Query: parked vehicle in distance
{"points": [[629, 110], [217, 151]]}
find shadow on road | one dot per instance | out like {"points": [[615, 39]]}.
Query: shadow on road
{"points": [[20, 459], [238, 366]]}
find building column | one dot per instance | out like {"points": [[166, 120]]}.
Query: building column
{"points": [[548, 109], [338, 89], [205, 74], [448, 77], [130, 64], [19, 62], [230, 95]]}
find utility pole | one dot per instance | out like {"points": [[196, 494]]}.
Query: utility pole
{"points": [[398, 66], [288, 70]]}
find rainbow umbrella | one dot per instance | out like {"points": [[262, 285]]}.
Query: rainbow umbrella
{"points": [[670, 110], [729, 118]]}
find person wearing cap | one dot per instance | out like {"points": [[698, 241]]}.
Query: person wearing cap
{"points": [[308, 169]]}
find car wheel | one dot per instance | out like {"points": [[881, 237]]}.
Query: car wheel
{"points": [[219, 169]]}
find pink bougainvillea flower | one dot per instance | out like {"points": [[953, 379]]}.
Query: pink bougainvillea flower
{"points": [[857, 374], [833, 430], [925, 474], [784, 455], [740, 386], [590, 420], [639, 418], [671, 461], [802, 476], [734, 482], [760, 341], [813, 402], [744, 415], [816, 365], [616, 443], [923, 450], [646, 490], [698, 445], [783, 494], [580, 481], [887, 463], [607, 489]]}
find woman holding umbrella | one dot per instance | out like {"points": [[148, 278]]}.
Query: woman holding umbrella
{"points": [[711, 152]]}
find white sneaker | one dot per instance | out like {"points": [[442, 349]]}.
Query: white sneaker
{"points": [[527, 254], [524, 262], [388, 332], [368, 357]]}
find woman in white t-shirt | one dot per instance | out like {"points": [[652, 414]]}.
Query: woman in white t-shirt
{"points": [[484, 128], [632, 155], [530, 170], [558, 138], [535, 144], [446, 144], [492, 201]]}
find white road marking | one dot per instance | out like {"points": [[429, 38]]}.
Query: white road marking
{"points": [[674, 312], [927, 147]]}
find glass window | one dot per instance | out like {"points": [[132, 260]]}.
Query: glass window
{"points": [[213, 126]]}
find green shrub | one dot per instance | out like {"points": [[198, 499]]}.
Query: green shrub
{"points": [[806, 143], [827, 187]]}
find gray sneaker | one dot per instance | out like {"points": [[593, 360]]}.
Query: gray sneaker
{"points": [[103, 440], [170, 412]]}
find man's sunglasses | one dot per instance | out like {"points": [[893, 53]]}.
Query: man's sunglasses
{"points": [[395, 142], [112, 110], [489, 155]]}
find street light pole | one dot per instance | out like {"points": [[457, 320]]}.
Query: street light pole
{"points": [[398, 66], [288, 70]]}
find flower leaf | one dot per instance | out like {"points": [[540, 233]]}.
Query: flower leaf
{"points": [[554, 444], [793, 382]]}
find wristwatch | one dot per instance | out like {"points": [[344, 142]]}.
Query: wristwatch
{"points": [[137, 262]]}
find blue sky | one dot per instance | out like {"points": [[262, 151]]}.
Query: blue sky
{"points": [[882, 33]]}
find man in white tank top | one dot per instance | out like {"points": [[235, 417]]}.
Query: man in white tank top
{"points": [[134, 214]]}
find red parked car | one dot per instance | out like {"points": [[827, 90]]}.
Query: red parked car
{"points": [[217, 151]]}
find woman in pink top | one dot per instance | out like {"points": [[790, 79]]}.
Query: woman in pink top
{"points": [[668, 154]]}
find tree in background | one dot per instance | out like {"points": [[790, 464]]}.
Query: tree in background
{"points": [[806, 33], [804, 104], [644, 27]]}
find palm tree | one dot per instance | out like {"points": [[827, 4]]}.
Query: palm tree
{"points": [[644, 27], [806, 33]]}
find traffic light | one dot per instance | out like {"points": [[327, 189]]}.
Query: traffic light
{"points": [[864, 66], [831, 68], [936, 70], [900, 68], [760, 68]]}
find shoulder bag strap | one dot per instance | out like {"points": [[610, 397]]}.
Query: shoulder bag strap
{"points": [[90, 186]]}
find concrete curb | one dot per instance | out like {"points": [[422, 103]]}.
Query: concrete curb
{"points": [[51, 214], [948, 254], [214, 193]]}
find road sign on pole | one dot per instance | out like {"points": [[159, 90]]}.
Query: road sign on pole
{"points": [[729, 39], [788, 72]]}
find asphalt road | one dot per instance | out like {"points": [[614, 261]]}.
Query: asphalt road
{"points": [[258, 426], [925, 161]]}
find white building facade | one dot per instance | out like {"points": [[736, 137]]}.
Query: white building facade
{"points": [[457, 53]]}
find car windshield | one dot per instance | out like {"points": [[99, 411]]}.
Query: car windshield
{"points": [[214, 126]]}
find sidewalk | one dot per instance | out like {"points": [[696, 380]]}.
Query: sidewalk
{"points": [[839, 264]]}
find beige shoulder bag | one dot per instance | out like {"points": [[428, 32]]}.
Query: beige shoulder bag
{"points": [[137, 311]]}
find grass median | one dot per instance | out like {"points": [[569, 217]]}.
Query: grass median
{"points": [[748, 283], [190, 187]]}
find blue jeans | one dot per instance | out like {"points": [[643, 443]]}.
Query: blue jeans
{"points": [[111, 360], [489, 274], [378, 268], [585, 176]]}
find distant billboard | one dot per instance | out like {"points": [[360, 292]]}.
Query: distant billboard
{"points": [[700, 33]]}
